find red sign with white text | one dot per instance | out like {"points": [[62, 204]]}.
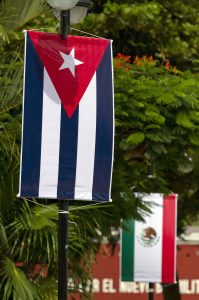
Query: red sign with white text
{"points": [[106, 284]]}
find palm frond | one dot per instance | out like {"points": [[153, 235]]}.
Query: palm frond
{"points": [[11, 81], [3, 236], [34, 228], [9, 159], [47, 288], [91, 217], [6, 34], [16, 13], [14, 283]]}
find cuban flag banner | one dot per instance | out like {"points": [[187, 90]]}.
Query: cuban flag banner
{"points": [[68, 118], [148, 249]]}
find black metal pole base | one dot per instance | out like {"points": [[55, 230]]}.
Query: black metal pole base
{"points": [[63, 250], [151, 290]]}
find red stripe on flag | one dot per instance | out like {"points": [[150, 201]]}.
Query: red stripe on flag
{"points": [[168, 242]]}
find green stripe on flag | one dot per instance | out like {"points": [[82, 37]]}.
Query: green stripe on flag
{"points": [[127, 253]]}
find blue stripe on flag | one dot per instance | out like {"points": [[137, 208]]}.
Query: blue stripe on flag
{"points": [[104, 130], [32, 123], [68, 155]]}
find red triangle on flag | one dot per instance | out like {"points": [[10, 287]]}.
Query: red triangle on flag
{"points": [[70, 63]]}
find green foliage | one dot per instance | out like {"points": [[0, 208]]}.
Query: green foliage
{"points": [[156, 126], [11, 72], [15, 283], [160, 105], [135, 138], [34, 229], [31, 239], [167, 29], [14, 14]]}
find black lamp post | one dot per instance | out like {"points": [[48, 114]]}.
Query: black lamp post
{"points": [[69, 12]]}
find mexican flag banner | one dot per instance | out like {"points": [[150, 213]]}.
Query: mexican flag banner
{"points": [[148, 249]]}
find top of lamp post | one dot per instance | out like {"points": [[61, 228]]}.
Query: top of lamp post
{"points": [[70, 12], [62, 4]]}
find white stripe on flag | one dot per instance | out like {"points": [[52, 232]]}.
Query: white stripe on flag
{"points": [[146, 269], [51, 121], [86, 143], [22, 127], [111, 48]]}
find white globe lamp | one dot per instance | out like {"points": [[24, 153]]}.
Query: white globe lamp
{"points": [[62, 4]]}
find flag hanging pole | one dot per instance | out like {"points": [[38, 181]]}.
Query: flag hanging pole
{"points": [[151, 290], [63, 204], [63, 250]]}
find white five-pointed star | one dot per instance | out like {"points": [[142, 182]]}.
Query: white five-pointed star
{"points": [[70, 61]]}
